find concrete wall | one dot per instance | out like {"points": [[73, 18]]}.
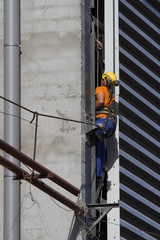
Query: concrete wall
{"points": [[50, 84]]}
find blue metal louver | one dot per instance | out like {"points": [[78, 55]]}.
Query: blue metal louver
{"points": [[139, 119]]}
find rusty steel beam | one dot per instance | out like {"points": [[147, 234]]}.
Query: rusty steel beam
{"points": [[38, 167], [31, 176], [42, 186]]}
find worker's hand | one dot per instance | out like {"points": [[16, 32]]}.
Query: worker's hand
{"points": [[99, 44], [99, 100]]}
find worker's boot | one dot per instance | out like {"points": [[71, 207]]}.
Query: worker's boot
{"points": [[104, 168], [105, 172], [99, 182]]}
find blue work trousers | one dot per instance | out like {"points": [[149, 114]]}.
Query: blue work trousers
{"points": [[100, 145]]}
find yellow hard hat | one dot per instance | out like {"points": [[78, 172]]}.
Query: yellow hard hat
{"points": [[110, 79]]}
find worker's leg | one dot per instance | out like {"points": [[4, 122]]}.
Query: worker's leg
{"points": [[100, 146], [103, 153], [109, 128], [100, 150], [99, 157]]}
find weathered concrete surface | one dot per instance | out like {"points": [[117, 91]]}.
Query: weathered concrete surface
{"points": [[50, 84]]}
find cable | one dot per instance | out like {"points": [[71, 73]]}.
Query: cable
{"points": [[88, 228], [77, 216], [119, 225], [41, 217], [27, 167], [65, 119], [27, 109], [60, 206], [30, 196], [16, 216], [35, 202], [49, 116], [12, 115]]}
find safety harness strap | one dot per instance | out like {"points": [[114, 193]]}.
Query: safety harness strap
{"points": [[105, 110], [109, 115]]}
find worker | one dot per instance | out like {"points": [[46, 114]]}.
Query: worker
{"points": [[105, 118]]}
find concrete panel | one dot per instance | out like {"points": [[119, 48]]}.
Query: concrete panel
{"points": [[50, 84]]}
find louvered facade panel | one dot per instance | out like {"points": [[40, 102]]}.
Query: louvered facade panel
{"points": [[139, 53]]}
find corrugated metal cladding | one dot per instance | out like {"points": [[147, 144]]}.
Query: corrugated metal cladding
{"points": [[139, 119]]}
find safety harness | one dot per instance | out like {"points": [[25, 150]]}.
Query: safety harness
{"points": [[109, 115]]}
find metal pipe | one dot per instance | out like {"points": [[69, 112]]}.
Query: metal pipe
{"points": [[11, 124], [38, 167], [41, 185]]}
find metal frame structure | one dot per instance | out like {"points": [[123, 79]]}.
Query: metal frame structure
{"points": [[89, 86], [43, 173], [112, 65]]}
